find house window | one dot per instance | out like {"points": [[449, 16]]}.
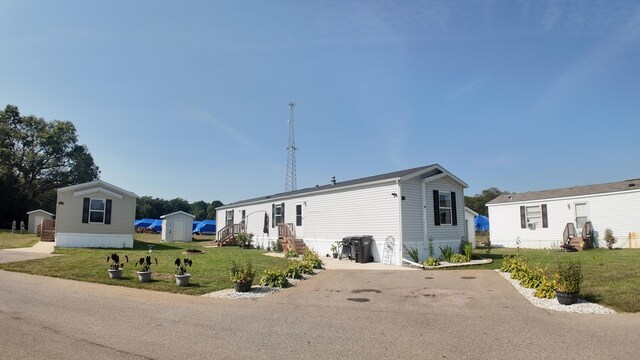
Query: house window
{"points": [[534, 216], [581, 215], [243, 215], [299, 215], [279, 212], [445, 208], [229, 217], [96, 211]]}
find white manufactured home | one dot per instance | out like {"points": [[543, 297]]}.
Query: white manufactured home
{"points": [[537, 219], [95, 214], [399, 210]]}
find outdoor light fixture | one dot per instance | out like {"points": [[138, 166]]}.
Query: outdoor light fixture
{"points": [[60, 202], [394, 194]]}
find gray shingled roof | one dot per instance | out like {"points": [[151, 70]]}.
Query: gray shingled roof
{"points": [[340, 184], [627, 185]]}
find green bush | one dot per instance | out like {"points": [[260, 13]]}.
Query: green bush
{"points": [[568, 278], [305, 267], [511, 264], [413, 254], [546, 289], [458, 258], [291, 254], [293, 270], [312, 258], [431, 262], [468, 251], [239, 273], [446, 252], [274, 278]]}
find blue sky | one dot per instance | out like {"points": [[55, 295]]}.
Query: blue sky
{"points": [[189, 98]]}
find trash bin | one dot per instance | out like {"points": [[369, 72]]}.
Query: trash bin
{"points": [[366, 248], [357, 249]]}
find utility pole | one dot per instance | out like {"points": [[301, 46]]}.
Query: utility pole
{"points": [[290, 180]]}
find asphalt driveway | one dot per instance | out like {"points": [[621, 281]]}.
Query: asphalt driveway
{"points": [[336, 314]]}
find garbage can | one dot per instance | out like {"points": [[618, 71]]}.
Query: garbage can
{"points": [[347, 248], [366, 248], [357, 251]]}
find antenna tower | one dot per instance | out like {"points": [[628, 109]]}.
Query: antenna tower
{"points": [[290, 181]]}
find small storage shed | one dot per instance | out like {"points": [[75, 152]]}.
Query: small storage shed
{"points": [[95, 214], [35, 218], [469, 228], [177, 226]]}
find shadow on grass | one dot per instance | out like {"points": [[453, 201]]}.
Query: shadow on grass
{"points": [[593, 298], [143, 245]]}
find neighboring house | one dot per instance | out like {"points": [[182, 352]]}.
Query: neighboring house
{"points": [[400, 210], [469, 228], [537, 219], [95, 214], [35, 218], [177, 226]]}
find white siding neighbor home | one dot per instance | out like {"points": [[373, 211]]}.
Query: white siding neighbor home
{"points": [[95, 214], [469, 225], [399, 210], [537, 219], [35, 219], [177, 226]]}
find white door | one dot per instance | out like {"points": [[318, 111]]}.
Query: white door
{"points": [[582, 215], [299, 221], [178, 230], [37, 222]]}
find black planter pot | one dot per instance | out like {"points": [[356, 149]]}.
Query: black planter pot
{"points": [[566, 298], [243, 286], [335, 255]]}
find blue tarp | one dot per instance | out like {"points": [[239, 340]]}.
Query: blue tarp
{"points": [[205, 227], [195, 223], [143, 223], [156, 226], [481, 223]]}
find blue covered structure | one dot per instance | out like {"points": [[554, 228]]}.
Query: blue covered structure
{"points": [[156, 226], [481, 223], [205, 227], [143, 223], [195, 223]]}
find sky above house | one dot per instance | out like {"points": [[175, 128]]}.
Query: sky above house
{"points": [[190, 98]]}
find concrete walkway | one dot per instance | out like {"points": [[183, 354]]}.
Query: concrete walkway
{"points": [[38, 251]]}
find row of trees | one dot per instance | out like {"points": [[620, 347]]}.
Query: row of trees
{"points": [[478, 202], [153, 208], [36, 158]]}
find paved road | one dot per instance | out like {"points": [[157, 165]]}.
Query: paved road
{"points": [[337, 314]]}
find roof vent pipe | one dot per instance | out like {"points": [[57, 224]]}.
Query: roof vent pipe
{"points": [[333, 180]]}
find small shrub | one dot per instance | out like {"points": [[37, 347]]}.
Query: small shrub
{"points": [[291, 254], [413, 254], [568, 278], [446, 252], [468, 251], [458, 258], [278, 246], [293, 270], [511, 264], [463, 243], [274, 278], [239, 273], [431, 262], [546, 289], [312, 259], [245, 239], [532, 278], [609, 238]]}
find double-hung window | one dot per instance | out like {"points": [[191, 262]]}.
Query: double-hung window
{"points": [[534, 216], [96, 211], [279, 219], [445, 208]]}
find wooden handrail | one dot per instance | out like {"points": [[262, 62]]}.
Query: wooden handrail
{"points": [[229, 231], [286, 231]]}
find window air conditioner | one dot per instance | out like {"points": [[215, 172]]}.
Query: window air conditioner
{"points": [[532, 226]]}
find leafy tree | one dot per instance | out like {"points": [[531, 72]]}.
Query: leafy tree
{"points": [[211, 209], [478, 202], [199, 210], [36, 158]]}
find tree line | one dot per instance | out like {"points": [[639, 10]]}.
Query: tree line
{"points": [[478, 202], [153, 208]]}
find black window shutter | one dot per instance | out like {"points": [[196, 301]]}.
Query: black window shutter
{"points": [[436, 207], [545, 221], [85, 210], [454, 216], [107, 212], [523, 220], [282, 213], [273, 215]]}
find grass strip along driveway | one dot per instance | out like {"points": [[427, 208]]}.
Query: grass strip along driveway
{"points": [[210, 270], [17, 240], [611, 277]]}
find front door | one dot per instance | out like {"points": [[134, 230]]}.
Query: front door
{"points": [[298, 221], [178, 230], [582, 215]]}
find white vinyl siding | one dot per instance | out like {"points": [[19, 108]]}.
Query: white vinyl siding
{"points": [[449, 234], [618, 211]]}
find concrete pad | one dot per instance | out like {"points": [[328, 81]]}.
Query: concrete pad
{"points": [[41, 247], [9, 256]]}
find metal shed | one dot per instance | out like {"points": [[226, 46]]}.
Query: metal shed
{"points": [[35, 218], [177, 226]]}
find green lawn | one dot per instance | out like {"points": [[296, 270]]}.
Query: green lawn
{"points": [[209, 272], [17, 240], [611, 277]]}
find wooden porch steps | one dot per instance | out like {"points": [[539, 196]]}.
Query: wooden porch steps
{"points": [[48, 235], [48, 230]]}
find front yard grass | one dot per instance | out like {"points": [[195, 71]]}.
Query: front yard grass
{"points": [[17, 240], [210, 271], [611, 277]]}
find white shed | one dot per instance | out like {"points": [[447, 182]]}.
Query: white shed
{"points": [[537, 219], [35, 218], [177, 226], [469, 225], [402, 209]]}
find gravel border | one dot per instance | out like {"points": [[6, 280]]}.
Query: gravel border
{"points": [[582, 307], [257, 291]]}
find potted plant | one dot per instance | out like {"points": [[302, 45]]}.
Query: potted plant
{"points": [[568, 279], [242, 276], [609, 238], [182, 276], [144, 274], [115, 269], [335, 248]]}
